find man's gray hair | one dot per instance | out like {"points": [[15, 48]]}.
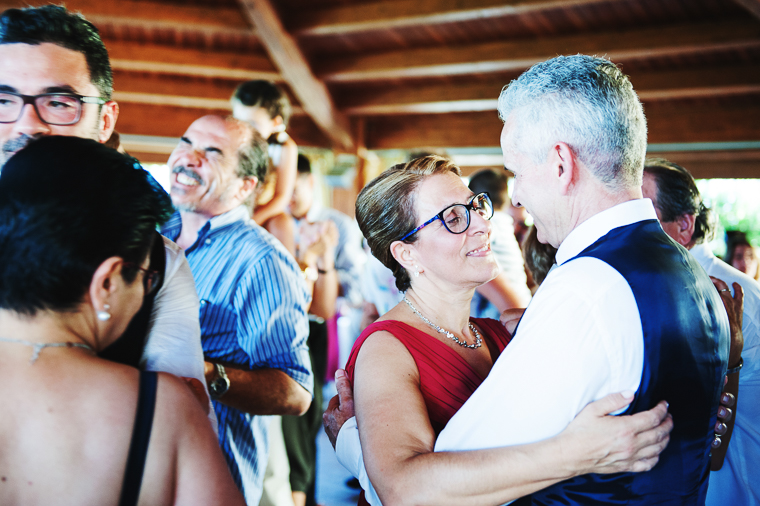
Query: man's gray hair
{"points": [[587, 103]]}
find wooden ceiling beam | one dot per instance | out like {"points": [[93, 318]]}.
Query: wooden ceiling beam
{"points": [[310, 91], [165, 120], [387, 15], [518, 55], [130, 56], [185, 88], [743, 163], [184, 22], [448, 98], [151, 11], [669, 122], [179, 91], [753, 6], [145, 82]]}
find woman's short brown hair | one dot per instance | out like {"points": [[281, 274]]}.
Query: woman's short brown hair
{"points": [[385, 208]]}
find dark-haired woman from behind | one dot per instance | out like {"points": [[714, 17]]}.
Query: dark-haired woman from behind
{"points": [[76, 224]]}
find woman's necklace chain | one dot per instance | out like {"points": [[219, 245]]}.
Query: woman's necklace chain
{"points": [[39, 346], [450, 335]]}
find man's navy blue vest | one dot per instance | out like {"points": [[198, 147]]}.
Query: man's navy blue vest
{"points": [[685, 356]]}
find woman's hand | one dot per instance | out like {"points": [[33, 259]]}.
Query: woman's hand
{"points": [[597, 443], [735, 310], [318, 243], [510, 318]]}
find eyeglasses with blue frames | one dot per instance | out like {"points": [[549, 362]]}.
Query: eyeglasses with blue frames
{"points": [[150, 278], [60, 109], [456, 218]]}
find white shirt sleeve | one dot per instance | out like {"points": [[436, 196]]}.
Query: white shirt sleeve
{"points": [[174, 333], [348, 449], [579, 340]]}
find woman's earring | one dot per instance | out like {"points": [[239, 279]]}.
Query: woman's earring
{"points": [[104, 315], [416, 271]]}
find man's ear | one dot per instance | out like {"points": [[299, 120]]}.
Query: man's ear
{"points": [[685, 231], [247, 187], [564, 166], [108, 116]]}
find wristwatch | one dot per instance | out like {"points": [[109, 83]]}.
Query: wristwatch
{"points": [[220, 384], [310, 274]]}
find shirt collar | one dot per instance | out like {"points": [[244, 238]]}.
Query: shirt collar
{"points": [[702, 253], [240, 213], [599, 225], [173, 227]]}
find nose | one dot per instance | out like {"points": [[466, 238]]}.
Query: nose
{"points": [[478, 224], [29, 122], [190, 157], [515, 202]]}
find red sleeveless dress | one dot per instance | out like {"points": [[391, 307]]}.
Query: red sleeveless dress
{"points": [[446, 379]]}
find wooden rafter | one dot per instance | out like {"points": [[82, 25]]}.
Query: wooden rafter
{"points": [[752, 6], [191, 62], [148, 11], [448, 98], [310, 91], [165, 120], [384, 15], [184, 21], [681, 121], [179, 91], [619, 45]]}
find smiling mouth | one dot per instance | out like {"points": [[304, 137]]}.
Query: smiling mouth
{"points": [[186, 177], [484, 249], [187, 180]]}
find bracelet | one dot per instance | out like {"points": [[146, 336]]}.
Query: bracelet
{"points": [[323, 271], [734, 370]]}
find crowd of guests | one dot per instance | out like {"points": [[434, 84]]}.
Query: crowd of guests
{"points": [[204, 348]]}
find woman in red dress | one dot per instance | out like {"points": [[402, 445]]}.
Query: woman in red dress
{"points": [[415, 367]]}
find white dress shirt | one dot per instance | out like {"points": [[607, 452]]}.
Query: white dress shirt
{"points": [[174, 332], [579, 340], [737, 482]]}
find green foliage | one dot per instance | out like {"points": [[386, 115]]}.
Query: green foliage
{"points": [[736, 206]]}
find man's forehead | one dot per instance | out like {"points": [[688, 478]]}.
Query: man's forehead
{"points": [[217, 132], [36, 68], [210, 130]]}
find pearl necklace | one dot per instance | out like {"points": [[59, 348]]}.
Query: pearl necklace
{"points": [[450, 335], [39, 346]]}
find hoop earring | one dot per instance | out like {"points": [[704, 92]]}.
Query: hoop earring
{"points": [[104, 315]]}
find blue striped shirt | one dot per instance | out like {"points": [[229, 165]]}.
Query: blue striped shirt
{"points": [[252, 316]]}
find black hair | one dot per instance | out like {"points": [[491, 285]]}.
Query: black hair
{"points": [[66, 205], [56, 25], [264, 94], [303, 164], [677, 194], [734, 239], [492, 182]]}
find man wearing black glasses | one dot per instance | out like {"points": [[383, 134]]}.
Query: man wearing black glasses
{"points": [[55, 79], [52, 83]]}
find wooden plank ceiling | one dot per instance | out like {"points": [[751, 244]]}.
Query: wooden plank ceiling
{"points": [[425, 74]]}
